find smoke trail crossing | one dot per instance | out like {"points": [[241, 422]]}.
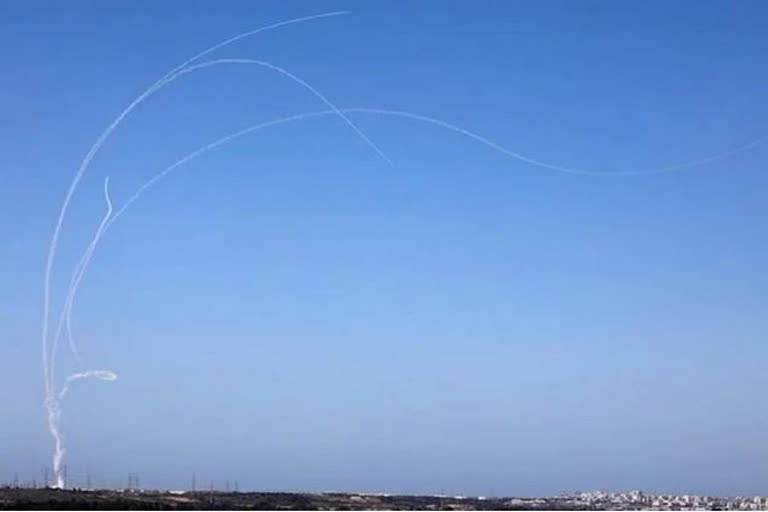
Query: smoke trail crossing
{"points": [[300, 82], [86, 257], [103, 138], [53, 403], [54, 411], [80, 269], [430, 120], [73, 287], [108, 221]]}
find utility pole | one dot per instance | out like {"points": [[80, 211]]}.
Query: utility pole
{"points": [[194, 482], [88, 481], [237, 489], [211, 485], [64, 474], [130, 481], [136, 483], [46, 477], [227, 486], [15, 480]]}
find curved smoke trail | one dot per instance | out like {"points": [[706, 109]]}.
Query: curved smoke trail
{"points": [[104, 375], [560, 168], [88, 254], [109, 220], [51, 402], [79, 270], [103, 138], [66, 316], [418, 117], [73, 284]]}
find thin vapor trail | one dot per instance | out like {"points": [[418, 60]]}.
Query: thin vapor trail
{"points": [[103, 138], [88, 254], [66, 316], [72, 290], [384, 112], [51, 403], [437, 122], [560, 168], [300, 82]]}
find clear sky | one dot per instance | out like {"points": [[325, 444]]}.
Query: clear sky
{"points": [[291, 312]]}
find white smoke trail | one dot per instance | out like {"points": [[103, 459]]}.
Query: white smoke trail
{"points": [[53, 402], [103, 138], [53, 408], [66, 316], [410, 115], [53, 405], [104, 375], [88, 254], [81, 267], [72, 290], [108, 221], [560, 168], [298, 81]]}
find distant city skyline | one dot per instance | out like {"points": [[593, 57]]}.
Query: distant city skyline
{"points": [[23, 497]]}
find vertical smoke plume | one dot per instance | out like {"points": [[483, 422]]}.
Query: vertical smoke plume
{"points": [[53, 401]]}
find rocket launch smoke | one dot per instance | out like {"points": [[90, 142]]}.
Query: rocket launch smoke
{"points": [[53, 400]]}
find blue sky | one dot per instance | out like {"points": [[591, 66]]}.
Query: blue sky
{"points": [[293, 313]]}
